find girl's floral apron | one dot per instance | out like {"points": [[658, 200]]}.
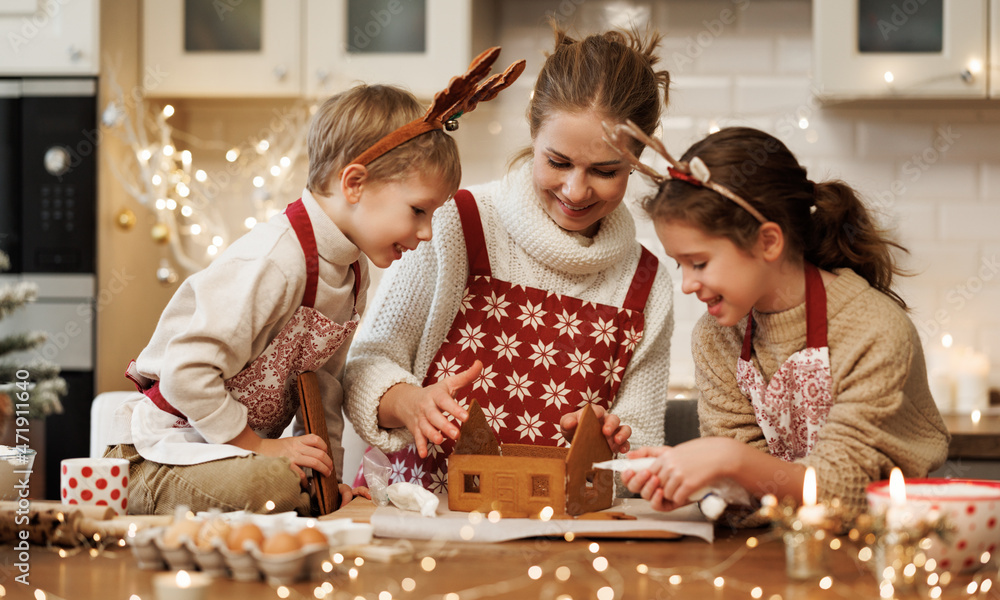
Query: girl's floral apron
{"points": [[267, 385], [544, 354], [793, 406]]}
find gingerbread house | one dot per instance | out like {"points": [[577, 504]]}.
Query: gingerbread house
{"points": [[519, 480]]}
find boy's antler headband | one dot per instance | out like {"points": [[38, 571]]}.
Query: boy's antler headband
{"points": [[694, 172], [461, 96]]}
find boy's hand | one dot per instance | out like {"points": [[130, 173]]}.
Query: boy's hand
{"points": [[421, 410], [303, 451], [616, 433]]}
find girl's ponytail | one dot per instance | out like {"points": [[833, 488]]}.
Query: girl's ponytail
{"points": [[845, 235]]}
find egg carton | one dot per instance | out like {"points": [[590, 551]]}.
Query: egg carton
{"points": [[284, 559]]}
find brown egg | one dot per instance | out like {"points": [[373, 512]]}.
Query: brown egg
{"points": [[215, 529], [242, 533], [180, 529], [281, 543], [310, 535]]}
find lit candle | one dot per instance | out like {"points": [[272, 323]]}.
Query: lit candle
{"points": [[182, 586], [899, 515], [810, 513]]}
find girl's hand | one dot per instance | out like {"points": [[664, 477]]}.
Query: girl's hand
{"points": [[616, 433], [680, 471], [421, 410], [303, 451]]}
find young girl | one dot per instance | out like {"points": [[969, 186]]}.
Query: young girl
{"points": [[217, 377], [806, 356], [535, 287]]}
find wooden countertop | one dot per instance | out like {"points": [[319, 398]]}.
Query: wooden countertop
{"points": [[494, 571], [974, 440]]}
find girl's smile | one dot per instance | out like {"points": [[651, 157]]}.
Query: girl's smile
{"points": [[730, 281]]}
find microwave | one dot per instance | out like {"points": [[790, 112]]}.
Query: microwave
{"points": [[869, 49]]}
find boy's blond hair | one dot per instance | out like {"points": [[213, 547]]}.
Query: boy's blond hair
{"points": [[349, 123]]}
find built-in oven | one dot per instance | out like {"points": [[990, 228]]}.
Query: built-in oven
{"points": [[48, 208]]}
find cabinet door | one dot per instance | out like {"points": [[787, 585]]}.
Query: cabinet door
{"points": [[49, 38], [890, 48], [418, 44], [223, 48], [994, 64]]}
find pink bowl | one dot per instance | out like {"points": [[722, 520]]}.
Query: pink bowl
{"points": [[970, 506]]}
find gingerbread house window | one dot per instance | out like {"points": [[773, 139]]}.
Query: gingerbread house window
{"points": [[471, 482], [540, 485]]}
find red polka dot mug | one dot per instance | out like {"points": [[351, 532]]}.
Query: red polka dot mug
{"points": [[95, 482]]}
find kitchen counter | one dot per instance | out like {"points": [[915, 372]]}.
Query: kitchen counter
{"points": [[534, 568], [974, 440]]}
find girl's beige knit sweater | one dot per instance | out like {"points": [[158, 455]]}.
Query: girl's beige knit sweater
{"points": [[883, 414]]}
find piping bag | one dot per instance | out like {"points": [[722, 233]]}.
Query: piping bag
{"points": [[712, 499]]}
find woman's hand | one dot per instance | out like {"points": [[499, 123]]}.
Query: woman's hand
{"points": [[616, 433], [421, 410], [680, 471]]}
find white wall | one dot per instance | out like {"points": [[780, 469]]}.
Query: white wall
{"points": [[931, 169], [755, 71]]}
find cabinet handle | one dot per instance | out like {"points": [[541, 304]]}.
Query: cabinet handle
{"points": [[74, 53], [280, 72]]}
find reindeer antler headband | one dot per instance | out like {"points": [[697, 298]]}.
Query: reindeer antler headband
{"points": [[694, 172], [461, 96]]}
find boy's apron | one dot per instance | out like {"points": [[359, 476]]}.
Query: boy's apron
{"points": [[545, 355], [793, 406], [267, 385]]}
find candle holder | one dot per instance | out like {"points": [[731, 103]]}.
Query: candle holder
{"points": [[806, 534], [898, 549]]}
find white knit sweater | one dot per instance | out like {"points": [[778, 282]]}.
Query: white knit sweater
{"points": [[419, 296]]}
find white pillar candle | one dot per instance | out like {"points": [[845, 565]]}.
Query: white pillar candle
{"points": [[899, 515], [972, 390], [181, 586], [810, 513]]}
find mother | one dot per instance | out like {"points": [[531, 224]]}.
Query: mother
{"points": [[538, 276]]}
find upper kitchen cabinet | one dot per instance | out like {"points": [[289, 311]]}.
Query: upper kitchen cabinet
{"points": [[867, 49], [260, 48], [223, 48], [46, 37], [419, 44]]}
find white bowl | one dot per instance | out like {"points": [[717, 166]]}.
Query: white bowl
{"points": [[14, 459], [970, 506]]}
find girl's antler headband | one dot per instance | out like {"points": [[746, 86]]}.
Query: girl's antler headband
{"points": [[461, 96], [694, 172]]}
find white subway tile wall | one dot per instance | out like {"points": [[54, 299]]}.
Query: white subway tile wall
{"points": [[931, 169]]}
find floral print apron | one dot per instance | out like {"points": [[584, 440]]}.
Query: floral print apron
{"points": [[793, 406], [544, 354], [267, 385]]}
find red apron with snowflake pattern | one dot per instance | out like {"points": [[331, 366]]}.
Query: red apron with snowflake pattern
{"points": [[793, 406], [267, 385], [545, 354]]}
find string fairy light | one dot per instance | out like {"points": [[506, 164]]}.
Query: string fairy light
{"points": [[162, 179]]}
